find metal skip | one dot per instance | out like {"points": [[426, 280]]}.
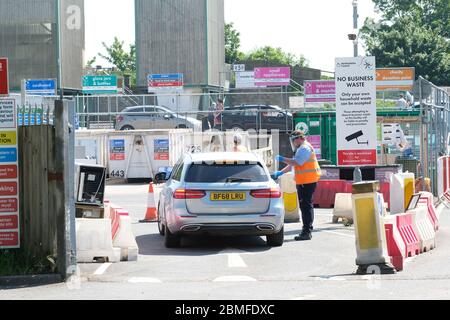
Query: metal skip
{"points": [[371, 245]]}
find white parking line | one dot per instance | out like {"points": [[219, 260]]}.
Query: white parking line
{"points": [[235, 279], [144, 280], [236, 261], [340, 234], [102, 269], [306, 297]]}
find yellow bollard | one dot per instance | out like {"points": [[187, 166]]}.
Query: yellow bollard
{"points": [[371, 245], [290, 196]]}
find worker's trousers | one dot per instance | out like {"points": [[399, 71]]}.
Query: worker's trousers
{"points": [[305, 195]]}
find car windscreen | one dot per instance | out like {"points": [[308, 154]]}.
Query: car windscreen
{"points": [[223, 173]]}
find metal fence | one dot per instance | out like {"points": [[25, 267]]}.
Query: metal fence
{"points": [[435, 127], [100, 112]]}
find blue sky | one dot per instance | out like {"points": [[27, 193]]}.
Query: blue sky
{"points": [[315, 28]]}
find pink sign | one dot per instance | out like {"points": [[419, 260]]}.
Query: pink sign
{"points": [[316, 142], [320, 91], [273, 77]]}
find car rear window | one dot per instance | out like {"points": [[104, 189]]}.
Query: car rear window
{"points": [[222, 173]]}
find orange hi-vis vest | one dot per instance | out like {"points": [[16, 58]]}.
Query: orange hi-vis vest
{"points": [[310, 171]]}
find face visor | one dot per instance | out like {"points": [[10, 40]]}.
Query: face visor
{"points": [[292, 141]]}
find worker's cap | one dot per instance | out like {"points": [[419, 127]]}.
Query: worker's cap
{"points": [[297, 134]]}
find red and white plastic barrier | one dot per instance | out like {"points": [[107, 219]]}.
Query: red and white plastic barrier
{"points": [[424, 228], [125, 239], [443, 175], [395, 244], [426, 200], [405, 226]]}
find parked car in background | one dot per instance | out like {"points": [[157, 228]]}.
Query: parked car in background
{"points": [[257, 117], [154, 117], [224, 194]]}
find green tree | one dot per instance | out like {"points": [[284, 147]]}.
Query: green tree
{"points": [[412, 34], [277, 55], [121, 59], [90, 63], [232, 44]]}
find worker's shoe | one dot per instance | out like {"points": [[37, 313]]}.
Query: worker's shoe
{"points": [[304, 236]]}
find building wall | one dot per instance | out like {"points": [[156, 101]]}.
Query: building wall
{"points": [[72, 44], [180, 36], [28, 37]]}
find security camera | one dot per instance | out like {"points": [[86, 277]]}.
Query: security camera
{"points": [[352, 37]]}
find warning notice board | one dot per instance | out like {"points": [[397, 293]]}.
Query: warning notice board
{"points": [[9, 177]]}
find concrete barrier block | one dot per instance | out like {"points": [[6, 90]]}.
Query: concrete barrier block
{"points": [[343, 206], [125, 240], [94, 241]]}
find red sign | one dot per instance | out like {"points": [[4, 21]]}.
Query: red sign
{"points": [[9, 222], [8, 205], [162, 156], [117, 156], [357, 157], [9, 239], [4, 78], [8, 189], [8, 172]]}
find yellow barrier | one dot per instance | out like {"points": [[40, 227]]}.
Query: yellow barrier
{"points": [[371, 245], [290, 196]]}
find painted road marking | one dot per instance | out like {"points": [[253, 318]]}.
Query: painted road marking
{"points": [[340, 234], [144, 280], [236, 261], [102, 269], [235, 279], [306, 297]]}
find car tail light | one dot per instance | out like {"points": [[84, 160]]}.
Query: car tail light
{"points": [[266, 194], [180, 194]]}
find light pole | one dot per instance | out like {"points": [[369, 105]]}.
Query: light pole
{"points": [[355, 27]]}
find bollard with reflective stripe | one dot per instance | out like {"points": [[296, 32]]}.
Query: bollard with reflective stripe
{"points": [[371, 245], [402, 190], [290, 196]]}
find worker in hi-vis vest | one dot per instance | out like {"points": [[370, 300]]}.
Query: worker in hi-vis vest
{"points": [[307, 175]]}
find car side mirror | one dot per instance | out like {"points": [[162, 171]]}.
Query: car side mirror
{"points": [[161, 177], [167, 116]]}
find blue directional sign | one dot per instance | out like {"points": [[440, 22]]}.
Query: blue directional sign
{"points": [[41, 87], [170, 81]]}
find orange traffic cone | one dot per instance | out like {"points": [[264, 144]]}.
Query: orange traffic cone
{"points": [[152, 214]]}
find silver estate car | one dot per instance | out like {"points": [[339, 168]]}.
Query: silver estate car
{"points": [[154, 117], [222, 194]]}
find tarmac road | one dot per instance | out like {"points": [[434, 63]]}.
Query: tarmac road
{"points": [[244, 268]]}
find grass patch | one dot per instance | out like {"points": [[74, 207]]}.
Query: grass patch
{"points": [[18, 263]]}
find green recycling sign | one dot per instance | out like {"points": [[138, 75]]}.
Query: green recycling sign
{"points": [[100, 84]]}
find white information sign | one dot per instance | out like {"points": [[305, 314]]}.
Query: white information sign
{"points": [[356, 111]]}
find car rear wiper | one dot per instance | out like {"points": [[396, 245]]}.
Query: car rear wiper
{"points": [[237, 179]]}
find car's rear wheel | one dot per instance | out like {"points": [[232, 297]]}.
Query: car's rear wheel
{"points": [[171, 240], [237, 128], [161, 228], [126, 128], [276, 239]]}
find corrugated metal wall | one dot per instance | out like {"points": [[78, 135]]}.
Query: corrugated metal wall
{"points": [[216, 42], [72, 44], [28, 37], [171, 37]]}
